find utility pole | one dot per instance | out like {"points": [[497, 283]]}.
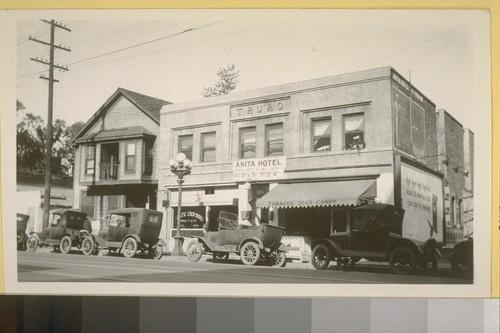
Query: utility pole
{"points": [[48, 145]]}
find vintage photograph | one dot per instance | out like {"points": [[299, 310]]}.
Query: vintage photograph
{"points": [[306, 149]]}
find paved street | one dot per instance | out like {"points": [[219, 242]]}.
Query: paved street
{"points": [[45, 266]]}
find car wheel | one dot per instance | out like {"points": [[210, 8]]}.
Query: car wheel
{"points": [[402, 260], [65, 244], [32, 243], [250, 253], [280, 259], [129, 247], [220, 256], [194, 251], [88, 245], [320, 257], [157, 251], [460, 266]]}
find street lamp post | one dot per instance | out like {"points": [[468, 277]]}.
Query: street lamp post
{"points": [[180, 166]]}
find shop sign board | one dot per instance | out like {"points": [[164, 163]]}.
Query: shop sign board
{"points": [[191, 217], [259, 169], [299, 247], [422, 200], [260, 108]]}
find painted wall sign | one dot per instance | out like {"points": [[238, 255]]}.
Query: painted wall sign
{"points": [[262, 108], [422, 200], [259, 169]]}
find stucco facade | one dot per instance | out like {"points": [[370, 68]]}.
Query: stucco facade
{"points": [[363, 126]]}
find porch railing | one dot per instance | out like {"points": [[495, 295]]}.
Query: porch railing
{"points": [[109, 171]]}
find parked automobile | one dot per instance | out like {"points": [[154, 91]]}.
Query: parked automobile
{"points": [[68, 227], [376, 236], [462, 258], [252, 243], [22, 224], [129, 230]]}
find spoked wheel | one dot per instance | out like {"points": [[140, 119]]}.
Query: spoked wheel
{"points": [[346, 263], [220, 256], [65, 244], [156, 251], [88, 245], [194, 251], [129, 247], [461, 266], [32, 243], [250, 253], [320, 256], [279, 259], [402, 260]]}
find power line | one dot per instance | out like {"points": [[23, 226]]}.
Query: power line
{"points": [[132, 46], [144, 43], [412, 46]]}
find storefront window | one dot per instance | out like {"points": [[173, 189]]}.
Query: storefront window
{"points": [[186, 146], [321, 132], [354, 131], [247, 142], [208, 147], [274, 140]]}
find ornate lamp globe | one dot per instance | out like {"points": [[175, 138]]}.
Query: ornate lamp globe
{"points": [[180, 158]]}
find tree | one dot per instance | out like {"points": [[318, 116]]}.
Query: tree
{"points": [[31, 145], [228, 79]]}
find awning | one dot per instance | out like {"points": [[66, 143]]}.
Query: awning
{"points": [[318, 194]]}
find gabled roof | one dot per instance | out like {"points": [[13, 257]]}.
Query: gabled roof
{"points": [[115, 133], [151, 106]]}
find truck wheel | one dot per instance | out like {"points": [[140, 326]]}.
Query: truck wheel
{"points": [[250, 253], [280, 259], [32, 243], [88, 245], [194, 251], [156, 251], [65, 244], [320, 257], [460, 265], [129, 247], [402, 260]]}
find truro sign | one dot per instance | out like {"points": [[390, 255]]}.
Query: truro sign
{"points": [[259, 169]]}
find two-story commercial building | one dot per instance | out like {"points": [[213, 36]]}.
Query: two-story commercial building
{"points": [[115, 155], [301, 155], [457, 144]]}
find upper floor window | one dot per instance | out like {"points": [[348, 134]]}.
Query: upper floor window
{"points": [[186, 146], [148, 157], [274, 139], [247, 142], [354, 131], [208, 147], [89, 160], [321, 134], [130, 157]]}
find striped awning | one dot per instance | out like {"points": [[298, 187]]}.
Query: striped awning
{"points": [[319, 194]]}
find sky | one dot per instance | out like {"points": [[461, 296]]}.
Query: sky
{"points": [[174, 54]]}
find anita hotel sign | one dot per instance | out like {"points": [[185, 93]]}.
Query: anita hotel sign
{"points": [[259, 169]]}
